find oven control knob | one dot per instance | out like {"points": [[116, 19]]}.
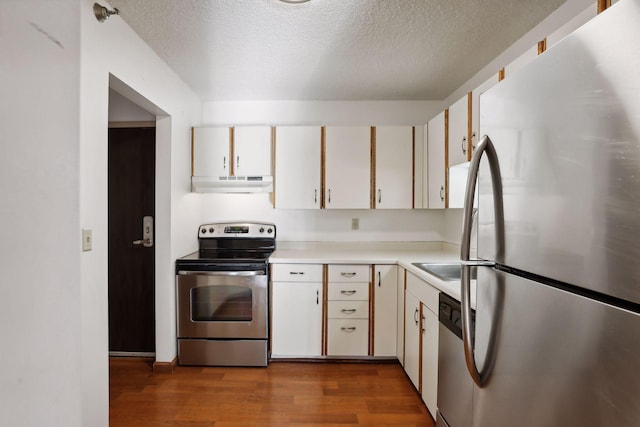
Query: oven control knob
{"points": [[269, 230], [262, 229], [204, 230], [211, 230]]}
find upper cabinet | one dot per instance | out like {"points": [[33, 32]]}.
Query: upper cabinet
{"points": [[298, 167], [458, 136], [475, 109], [436, 162], [394, 171], [347, 167], [231, 159], [210, 151], [252, 150]]}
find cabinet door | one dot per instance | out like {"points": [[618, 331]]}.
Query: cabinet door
{"points": [[412, 339], [458, 131], [475, 110], [436, 162], [348, 167], [385, 291], [430, 360], [296, 319], [400, 316], [210, 151], [394, 167], [298, 167], [252, 150]]}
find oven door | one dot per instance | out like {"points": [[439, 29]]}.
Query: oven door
{"points": [[222, 304]]}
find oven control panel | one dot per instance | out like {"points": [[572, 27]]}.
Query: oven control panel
{"points": [[237, 230]]}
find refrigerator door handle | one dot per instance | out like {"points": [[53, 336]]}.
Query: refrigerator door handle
{"points": [[485, 146]]}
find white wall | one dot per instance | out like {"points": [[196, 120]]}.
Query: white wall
{"points": [[113, 55], [40, 305]]}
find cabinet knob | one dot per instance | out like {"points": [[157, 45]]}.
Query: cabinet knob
{"points": [[348, 329], [464, 144], [348, 293], [348, 274], [348, 310]]}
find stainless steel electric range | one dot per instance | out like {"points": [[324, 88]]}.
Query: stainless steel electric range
{"points": [[222, 293]]}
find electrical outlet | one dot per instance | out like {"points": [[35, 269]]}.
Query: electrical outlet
{"points": [[87, 240], [355, 223]]}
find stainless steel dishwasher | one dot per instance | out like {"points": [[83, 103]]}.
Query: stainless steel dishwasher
{"points": [[455, 386]]}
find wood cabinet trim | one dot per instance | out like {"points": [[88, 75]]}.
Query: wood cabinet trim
{"points": [[542, 46], [501, 74], [232, 168], [413, 167], [372, 155], [325, 304], [603, 5]]}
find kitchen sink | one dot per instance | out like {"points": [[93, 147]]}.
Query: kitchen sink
{"points": [[446, 272]]}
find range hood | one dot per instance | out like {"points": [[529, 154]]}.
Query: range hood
{"points": [[231, 184]]}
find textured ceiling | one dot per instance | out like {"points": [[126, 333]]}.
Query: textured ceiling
{"points": [[330, 49]]}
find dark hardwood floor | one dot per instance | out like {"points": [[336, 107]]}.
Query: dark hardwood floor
{"points": [[326, 394]]}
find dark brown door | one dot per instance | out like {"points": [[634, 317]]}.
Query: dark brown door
{"points": [[131, 263]]}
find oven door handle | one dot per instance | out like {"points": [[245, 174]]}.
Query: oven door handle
{"points": [[221, 273]]}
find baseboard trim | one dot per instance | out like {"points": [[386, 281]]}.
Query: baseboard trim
{"points": [[335, 359], [165, 367]]}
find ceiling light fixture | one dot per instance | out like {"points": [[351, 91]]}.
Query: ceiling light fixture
{"points": [[294, 1], [102, 13]]}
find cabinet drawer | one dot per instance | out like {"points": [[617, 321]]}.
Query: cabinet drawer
{"points": [[349, 273], [348, 337], [348, 310], [424, 291], [296, 272], [348, 291]]}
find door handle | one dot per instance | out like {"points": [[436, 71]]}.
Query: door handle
{"points": [[147, 233], [484, 147]]}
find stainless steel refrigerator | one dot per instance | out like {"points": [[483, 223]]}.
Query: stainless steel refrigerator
{"points": [[557, 332]]}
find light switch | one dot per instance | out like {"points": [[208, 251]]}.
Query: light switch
{"points": [[87, 240], [355, 223]]}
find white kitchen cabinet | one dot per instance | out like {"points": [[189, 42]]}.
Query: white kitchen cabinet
{"points": [[348, 310], [394, 167], [296, 310], [297, 167], [475, 110], [347, 167], [385, 291], [400, 315], [412, 338], [429, 356], [422, 301], [436, 170], [210, 147], [458, 141], [252, 150]]}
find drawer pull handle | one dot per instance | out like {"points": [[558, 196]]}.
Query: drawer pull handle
{"points": [[349, 293], [348, 310], [348, 329], [347, 274], [296, 273]]}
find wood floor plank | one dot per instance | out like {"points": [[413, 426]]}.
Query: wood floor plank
{"points": [[283, 394]]}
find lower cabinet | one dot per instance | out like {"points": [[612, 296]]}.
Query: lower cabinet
{"points": [[421, 339], [385, 291], [412, 338], [335, 310], [296, 310], [429, 360], [348, 310]]}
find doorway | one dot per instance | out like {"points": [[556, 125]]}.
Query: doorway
{"points": [[131, 264]]}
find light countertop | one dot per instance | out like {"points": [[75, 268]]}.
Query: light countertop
{"points": [[403, 254]]}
